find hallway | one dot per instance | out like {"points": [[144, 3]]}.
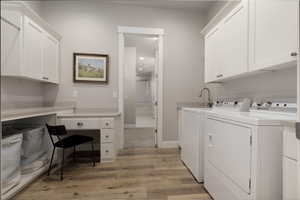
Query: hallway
{"points": [[138, 174]]}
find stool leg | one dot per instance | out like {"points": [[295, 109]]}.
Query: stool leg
{"points": [[74, 154], [62, 166], [51, 161], [93, 157]]}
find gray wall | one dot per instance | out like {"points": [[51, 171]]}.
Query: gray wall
{"points": [[276, 85], [17, 93], [92, 27]]}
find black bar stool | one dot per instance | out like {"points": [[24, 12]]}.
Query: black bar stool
{"points": [[66, 142]]}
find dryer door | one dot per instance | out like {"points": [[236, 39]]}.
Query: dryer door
{"points": [[229, 150]]}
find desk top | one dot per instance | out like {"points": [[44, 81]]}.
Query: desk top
{"points": [[90, 112], [24, 113], [60, 111]]}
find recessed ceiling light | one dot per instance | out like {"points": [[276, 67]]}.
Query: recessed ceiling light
{"points": [[142, 58]]}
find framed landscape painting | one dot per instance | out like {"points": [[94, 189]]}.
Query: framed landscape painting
{"points": [[91, 68]]}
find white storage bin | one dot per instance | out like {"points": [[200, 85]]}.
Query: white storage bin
{"points": [[34, 151], [11, 155]]}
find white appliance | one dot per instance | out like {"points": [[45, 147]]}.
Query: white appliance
{"points": [[243, 155], [289, 162], [192, 140]]}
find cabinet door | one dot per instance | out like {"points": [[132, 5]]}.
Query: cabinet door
{"points": [[235, 41], [190, 150], [273, 32], [51, 59], [229, 143], [213, 53], [10, 43], [33, 50]]}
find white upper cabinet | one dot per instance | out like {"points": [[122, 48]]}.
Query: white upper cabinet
{"points": [[51, 59], [33, 50], [212, 55], [226, 45], [273, 32], [251, 35], [29, 48], [235, 42], [10, 42]]}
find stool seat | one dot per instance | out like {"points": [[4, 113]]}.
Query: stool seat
{"points": [[72, 141]]}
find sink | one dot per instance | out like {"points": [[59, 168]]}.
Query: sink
{"points": [[192, 105]]}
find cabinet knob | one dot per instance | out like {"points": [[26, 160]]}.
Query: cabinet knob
{"points": [[294, 54], [106, 136], [79, 124], [220, 75], [106, 151], [106, 123], [45, 78]]}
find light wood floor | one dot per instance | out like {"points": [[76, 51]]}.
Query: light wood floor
{"points": [[138, 174]]}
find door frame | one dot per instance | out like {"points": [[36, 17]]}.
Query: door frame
{"points": [[122, 30]]}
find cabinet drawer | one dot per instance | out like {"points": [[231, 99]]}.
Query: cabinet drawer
{"points": [[107, 151], [107, 123], [78, 123], [107, 135], [290, 142]]}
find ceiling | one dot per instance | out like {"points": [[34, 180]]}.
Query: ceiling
{"points": [[202, 5]]}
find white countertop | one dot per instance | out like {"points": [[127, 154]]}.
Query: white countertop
{"points": [[181, 105], [197, 110], [23, 113], [90, 113], [253, 117], [60, 111]]}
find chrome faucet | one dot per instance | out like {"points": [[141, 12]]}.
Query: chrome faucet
{"points": [[210, 103]]}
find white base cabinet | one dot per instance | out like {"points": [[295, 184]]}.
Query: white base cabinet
{"points": [[107, 133], [192, 141], [242, 160]]}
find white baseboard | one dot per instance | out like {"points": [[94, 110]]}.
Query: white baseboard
{"points": [[169, 144]]}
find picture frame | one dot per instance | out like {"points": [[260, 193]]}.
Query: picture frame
{"points": [[91, 68]]}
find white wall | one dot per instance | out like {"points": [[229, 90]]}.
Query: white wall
{"points": [[130, 85], [92, 27]]}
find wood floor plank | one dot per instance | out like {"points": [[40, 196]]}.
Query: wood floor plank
{"points": [[137, 174]]}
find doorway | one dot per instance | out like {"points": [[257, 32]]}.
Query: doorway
{"points": [[140, 79]]}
